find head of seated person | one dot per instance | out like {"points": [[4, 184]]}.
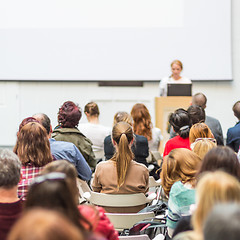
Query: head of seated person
{"points": [[221, 158], [213, 188], [223, 223], [44, 225], [199, 130], [52, 191], [179, 165], [64, 166], [196, 113], [69, 115], [181, 122], [142, 124], [91, 110], [201, 146]]}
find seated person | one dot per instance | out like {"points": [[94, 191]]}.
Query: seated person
{"points": [[121, 174], [10, 204], [181, 123], [178, 182], [94, 130], [139, 146], [68, 118]]}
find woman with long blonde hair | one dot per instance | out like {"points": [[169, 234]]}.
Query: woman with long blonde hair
{"points": [[121, 174]]}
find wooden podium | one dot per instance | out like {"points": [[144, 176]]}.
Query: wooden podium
{"points": [[163, 107]]}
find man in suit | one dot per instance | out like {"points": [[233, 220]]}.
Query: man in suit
{"points": [[201, 100], [233, 133]]}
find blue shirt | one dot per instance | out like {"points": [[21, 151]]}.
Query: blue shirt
{"points": [[66, 150]]}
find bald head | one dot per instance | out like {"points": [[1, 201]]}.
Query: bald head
{"points": [[44, 121], [199, 99]]}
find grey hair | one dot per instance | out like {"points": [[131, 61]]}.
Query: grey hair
{"points": [[10, 169], [223, 222]]}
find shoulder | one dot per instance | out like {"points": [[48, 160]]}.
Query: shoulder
{"points": [[179, 189], [139, 166], [107, 139], [140, 138], [186, 80]]}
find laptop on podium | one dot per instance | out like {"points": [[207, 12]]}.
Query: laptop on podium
{"points": [[184, 89]]}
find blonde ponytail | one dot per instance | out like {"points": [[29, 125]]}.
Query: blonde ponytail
{"points": [[122, 134]]}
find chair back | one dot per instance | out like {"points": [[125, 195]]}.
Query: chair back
{"points": [[122, 221]]}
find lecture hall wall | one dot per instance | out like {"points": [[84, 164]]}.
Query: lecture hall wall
{"points": [[22, 99]]}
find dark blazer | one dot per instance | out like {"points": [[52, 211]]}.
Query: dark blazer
{"points": [[139, 148], [233, 137]]}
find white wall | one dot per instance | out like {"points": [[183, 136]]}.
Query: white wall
{"points": [[22, 99]]}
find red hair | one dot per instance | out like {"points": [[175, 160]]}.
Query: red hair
{"points": [[69, 115], [142, 124]]}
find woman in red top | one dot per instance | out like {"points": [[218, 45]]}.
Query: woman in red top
{"points": [[181, 123]]}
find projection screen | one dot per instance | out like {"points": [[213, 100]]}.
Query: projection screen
{"points": [[103, 40]]}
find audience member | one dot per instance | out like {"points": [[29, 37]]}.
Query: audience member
{"points": [[201, 100], [93, 130], [181, 123], [10, 204], [178, 180], [233, 133], [202, 146], [139, 146], [124, 176], [68, 118], [65, 150], [42, 224], [52, 191], [95, 215], [33, 150], [221, 158], [142, 125], [213, 188], [223, 223], [196, 114], [200, 130]]}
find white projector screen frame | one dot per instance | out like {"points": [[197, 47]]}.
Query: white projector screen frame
{"points": [[110, 40]]}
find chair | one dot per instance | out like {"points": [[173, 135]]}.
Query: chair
{"points": [[135, 237], [123, 221], [121, 203], [82, 187], [157, 186]]}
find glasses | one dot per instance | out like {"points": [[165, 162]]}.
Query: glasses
{"points": [[210, 139], [50, 176]]}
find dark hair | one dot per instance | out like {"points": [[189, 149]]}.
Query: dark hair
{"points": [[10, 169], [236, 109], [69, 115], [223, 222], [196, 113], [33, 146], [180, 120], [199, 99], [221, 158], [66, 167], [92, 109], [54, 193], [44, 120]]}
